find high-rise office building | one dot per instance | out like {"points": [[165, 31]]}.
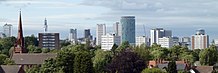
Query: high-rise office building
{"points": [[141, 40], [128, 29], [108, 40], [117, 29], [200, 40], [87, 34], [45, 26], [49, 40], [7, 28], [73, 36], [101, 30], [157, 33]]}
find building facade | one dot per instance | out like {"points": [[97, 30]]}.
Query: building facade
{"points": [[108, 40], [117, 29], [87, 34], [128, 29], [49, 40], [73, 36], [166, 42], [200, 40], [141, 40], [100, 30], [157, 33], [7, 28]]}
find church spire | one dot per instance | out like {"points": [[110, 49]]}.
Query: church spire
{"points": [[19, 46]]}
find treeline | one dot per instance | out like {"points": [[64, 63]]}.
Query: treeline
{"points": [[83, 58]]}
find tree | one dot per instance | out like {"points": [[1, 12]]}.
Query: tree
{"points": [[2, 58], [34, 49], [49, 66], [30, 40], [101, 59], [172, 67], [65, 60], [6, 44], [126, 62], [83, 62], [208, 56], [45, 50], [143, 52], [152, 70], [124, 45]]}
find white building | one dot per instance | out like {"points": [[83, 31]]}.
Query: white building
{"points": [[159, 33], [108, 40], [73, 36], [165, 42], [216, 42], [141, 40], [200, 40], [101, 30], [7, 28]]}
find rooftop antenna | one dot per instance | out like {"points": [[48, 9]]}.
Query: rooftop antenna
{"points": [[45, 26]]}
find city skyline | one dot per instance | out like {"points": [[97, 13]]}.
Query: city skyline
{"points": [[183, 17]]}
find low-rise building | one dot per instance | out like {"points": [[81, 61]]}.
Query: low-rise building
{"points": [[49, 40], [108, 40], [165, 42], [141, 40]]}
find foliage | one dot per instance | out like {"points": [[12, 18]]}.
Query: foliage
{"points": [[124, 45], [30, 40], [126, 62], [83, 63], [65, 60], [101, 59], [6, 44], [172, 67], [208, 56], [2, 58], [45, 50], [143, 52], [152, 70], [34, 49]]}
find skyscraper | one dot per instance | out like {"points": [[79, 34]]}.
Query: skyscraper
{"points": [[87, 34], [7, 28], [19, 45], [73, 36], [117, 29], [100, 30], [159, 33], [200, 40], [128, 29]]}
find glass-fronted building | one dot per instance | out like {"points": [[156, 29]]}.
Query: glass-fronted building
{"points": [[128, 29]]}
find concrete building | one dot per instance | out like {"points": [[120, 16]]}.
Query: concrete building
{"points": [[128, 29], [117, 29], [216, 42], [7, 29], [100, 30], [49, 40], [108, 40], [141, 40], [165, 42], [73, 36], [200, 40], [157, 33]]}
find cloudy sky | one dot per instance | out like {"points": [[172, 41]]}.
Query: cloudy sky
{"points": [[183, 17]]}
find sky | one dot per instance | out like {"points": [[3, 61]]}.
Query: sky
{"points": [[183, 17]]}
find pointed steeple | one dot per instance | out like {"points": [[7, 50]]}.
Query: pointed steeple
{"points": [[19, 45]]}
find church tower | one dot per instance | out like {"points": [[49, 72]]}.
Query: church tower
{"points": [[19, 44]]}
